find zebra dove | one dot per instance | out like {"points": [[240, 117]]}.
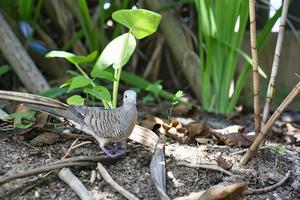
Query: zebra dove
{"points": [[105, 125]]}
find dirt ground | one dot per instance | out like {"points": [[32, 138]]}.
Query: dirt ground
{"points": [[132, 171]]}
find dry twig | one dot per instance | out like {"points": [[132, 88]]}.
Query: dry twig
{"points": [[93, 176], [73, 146], [270, 188], [255, 66], [69, 150], [69, 178], [69, 162], [114, 184], [207, 166], [7, 178], [271, 86], [264, 130]]}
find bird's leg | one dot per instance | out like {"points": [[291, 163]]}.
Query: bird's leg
{"points": [[111, 150], [120, 146]]}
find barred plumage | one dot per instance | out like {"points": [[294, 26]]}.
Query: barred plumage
{"points": [[105, 125]]}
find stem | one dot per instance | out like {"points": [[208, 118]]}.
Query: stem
{"points": [[84, 74], [264, 129], [275, 65], [116, 86], [105, 104], [118, 71], [255, 66]]}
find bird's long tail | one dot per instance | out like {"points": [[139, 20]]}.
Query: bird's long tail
{"points": [[37, 102]]}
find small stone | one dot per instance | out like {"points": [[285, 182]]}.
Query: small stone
{"points": [[99, 177], [93, 176], [36, 194], [67, 131]]}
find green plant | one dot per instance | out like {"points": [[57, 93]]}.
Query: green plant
{"points": [[220, 33], [140, 23], [25, 118], [83, 80], [155, 88], [279, 149], [175, 101]]}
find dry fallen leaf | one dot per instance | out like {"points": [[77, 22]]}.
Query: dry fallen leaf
{"points": [[175, 135], [181, 109], [41, 120], [201, 140], [46, 138], [223, 163], [198, 129], [233, 135], [219, 192], [292, 133]]}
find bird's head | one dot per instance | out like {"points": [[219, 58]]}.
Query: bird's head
{"points": [[129, 97]]}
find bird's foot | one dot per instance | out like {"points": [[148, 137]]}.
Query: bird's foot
{"points": [[113, 150]]}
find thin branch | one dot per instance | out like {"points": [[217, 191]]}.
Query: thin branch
{"points": [[255, 66], [114, 184], [69, 150], [270, 188], [269, 124], [81, 144], [74, 146], [47, 168], [207, 166], [68, 162], [75, 184], [93, 176], [271, 86]]}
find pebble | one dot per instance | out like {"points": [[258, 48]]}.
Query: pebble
{"points": [[36, 194]]}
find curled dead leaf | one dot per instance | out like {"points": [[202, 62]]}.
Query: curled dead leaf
{"points": [[197, 129], [223, 163], [182, 130], [166, 126], [219, 192], [175, 135], [232, 136], [181, 109], [174, 123], [46, 138], [202, 140], [41, 119]]}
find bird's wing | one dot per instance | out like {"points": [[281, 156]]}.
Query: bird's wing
{"points": [[101, 121]]}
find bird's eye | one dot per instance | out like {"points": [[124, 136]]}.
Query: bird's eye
{"points": [[125, 96]]}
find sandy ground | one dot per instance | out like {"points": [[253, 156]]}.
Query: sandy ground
{"points": [[132, 171]]}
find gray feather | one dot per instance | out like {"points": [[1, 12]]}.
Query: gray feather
{"points": [[106, 125]]}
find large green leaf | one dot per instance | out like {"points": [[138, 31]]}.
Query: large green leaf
{"points": [[79, 82], [83, 59], [72, 57], [99, 92], [117, 52], [140, 22], [59, 54], [75, 100], [98, 73]]}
